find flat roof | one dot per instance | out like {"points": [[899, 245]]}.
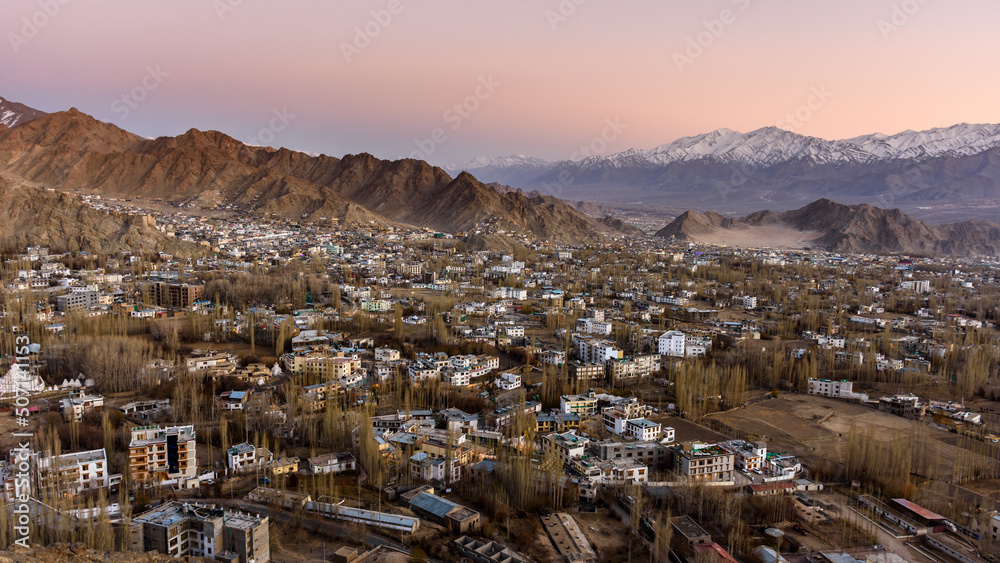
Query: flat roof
{"points": [[918, 510]]}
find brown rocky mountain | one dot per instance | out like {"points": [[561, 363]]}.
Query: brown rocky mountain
{"points": [[36, 216], [840, 228], [73, 151]]}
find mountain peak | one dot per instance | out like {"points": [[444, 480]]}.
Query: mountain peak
{"points": [[13, 114]]}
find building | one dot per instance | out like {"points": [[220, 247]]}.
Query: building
{"points": [[598, 351], [386, 355], [191, 530], [158, 454], [556, 422], [76, 301], [457, 518], [70, 473], [331, 463], [908, 406], [580, 371], [642, 430], [671, 344], [578, 404], [74, 406], [652, 454], [284, 466], [509, 381], [568, 446], [689, 531], [828, 388], [703, 462], [489, 552], [749, 456], [247, 457], [174, 295]]}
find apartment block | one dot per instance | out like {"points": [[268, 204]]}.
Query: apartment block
{"points": [[703, 462], [157, 454]]}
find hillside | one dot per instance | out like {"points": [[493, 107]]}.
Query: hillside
{"points": [[839, 228], [34, 216], [73, 151]]}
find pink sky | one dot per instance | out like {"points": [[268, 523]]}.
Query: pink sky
{"points": [[554, 79]]}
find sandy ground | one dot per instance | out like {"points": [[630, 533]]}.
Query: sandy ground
{"points": [[771, 236]]}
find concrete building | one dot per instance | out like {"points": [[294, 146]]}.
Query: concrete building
{"points": [[190, 530], [703, 462], [174, 295], [71, 473], [76, 301]]}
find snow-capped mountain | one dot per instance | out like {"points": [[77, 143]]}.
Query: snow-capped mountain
{"points": [[771, 164], [770, 146], [13, 113], [517, 160]]}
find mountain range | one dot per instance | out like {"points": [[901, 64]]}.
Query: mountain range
{"points": [[825, 224], [726, 168], [73, 151], [47, 157]]}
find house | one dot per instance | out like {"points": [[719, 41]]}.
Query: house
{"points": [[74, 406], [284, 466], [245, 457], [234, 400], [568, 446], [331, 463], [509, 381]]}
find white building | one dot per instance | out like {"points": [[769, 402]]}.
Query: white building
{"points": [[74, 472], [599, 351], [509, 381], [671, 344], [642, 429], [386, 355], [247, 457]]}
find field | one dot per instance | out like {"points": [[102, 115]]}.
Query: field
{"points": [[816, 428]]}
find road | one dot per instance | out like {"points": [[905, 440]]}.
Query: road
{"points": [[886, 539]]}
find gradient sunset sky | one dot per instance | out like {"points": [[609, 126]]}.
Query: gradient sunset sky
{"points": [[541, 77]]}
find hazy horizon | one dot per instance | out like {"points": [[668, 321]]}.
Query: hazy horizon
{"points": [[541, 79]]}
